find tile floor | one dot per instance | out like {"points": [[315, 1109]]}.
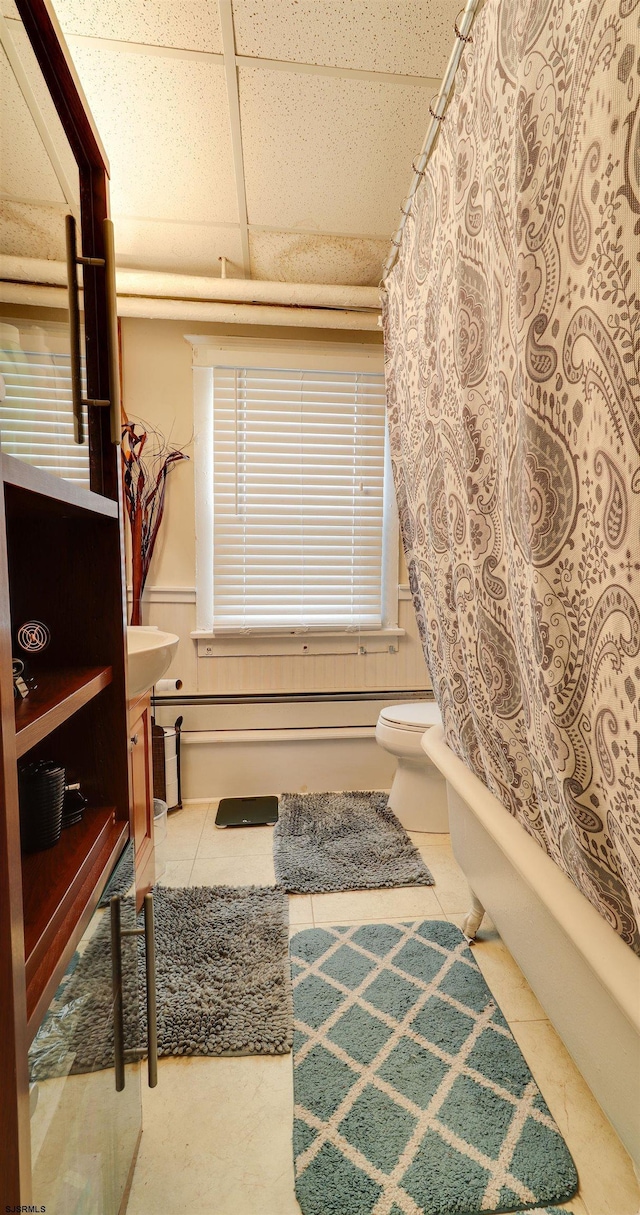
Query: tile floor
{"points": [[217, 1132]]}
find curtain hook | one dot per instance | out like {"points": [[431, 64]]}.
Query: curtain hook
{"points": [[462, 37], [418, 172], [438, 117], [406, 212]]}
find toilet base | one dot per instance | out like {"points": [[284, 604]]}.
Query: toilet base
{"points": [[418, 797]]}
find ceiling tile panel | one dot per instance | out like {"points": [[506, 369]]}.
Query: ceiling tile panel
{"points": [[44, 105], [409, 37], [189, 24], [298, 257], [28, 231], [164, 123], [328, 154], [177, 248], [26, 171]]}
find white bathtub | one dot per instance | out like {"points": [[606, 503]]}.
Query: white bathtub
{"points": [[585, 977]]}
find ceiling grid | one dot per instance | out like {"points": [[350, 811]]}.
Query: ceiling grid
{"points": [[275, 133], [233, 101]]}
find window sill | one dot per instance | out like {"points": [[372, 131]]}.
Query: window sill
{"points": [[299, 642]]}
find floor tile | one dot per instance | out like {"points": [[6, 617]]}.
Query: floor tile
{"points": [[608, 1185], [576, 1207], [218, 1132], [294, 928], [233, 841], [503, 974], [176, 873], [300, 909], [234, 871], [452, 888], [217, 1139], [184, 828], [429, 839], [388, 919], [408, 902]]}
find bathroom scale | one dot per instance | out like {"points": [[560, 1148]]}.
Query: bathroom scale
{"points": [[247, 811]]}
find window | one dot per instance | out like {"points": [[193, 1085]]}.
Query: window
{"points": [[296, 528], [36, 414]]}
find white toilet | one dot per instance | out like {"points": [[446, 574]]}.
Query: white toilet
{"points": [[419, 793]]}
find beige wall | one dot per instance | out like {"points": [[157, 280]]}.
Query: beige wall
{"points": [[157, 388]]}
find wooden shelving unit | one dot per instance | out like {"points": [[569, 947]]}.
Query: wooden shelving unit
{"points": [[73, 880], [62, 497], [61, 562], [60, 550], [58, 696], [64, 569], [52, 878]]}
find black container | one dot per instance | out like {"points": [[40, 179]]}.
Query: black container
{"points": [[73, 807], [42, 788]]}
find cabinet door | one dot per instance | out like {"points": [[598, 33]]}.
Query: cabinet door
{"points": [[141, 792], [39, 183], [84, 1133]]}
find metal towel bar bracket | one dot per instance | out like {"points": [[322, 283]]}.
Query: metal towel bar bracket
{"points": [[107, 263], [117, 935]]}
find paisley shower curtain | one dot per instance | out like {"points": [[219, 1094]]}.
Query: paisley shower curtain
{"points": [[512, 333]]}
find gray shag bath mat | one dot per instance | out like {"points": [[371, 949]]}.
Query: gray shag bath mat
{"points": [[343, 841], [411, 1093], [222, 967], [122, 878], [223, 983]]}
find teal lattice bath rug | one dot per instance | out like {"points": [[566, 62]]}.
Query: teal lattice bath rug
{"points": [[411, 1094]]}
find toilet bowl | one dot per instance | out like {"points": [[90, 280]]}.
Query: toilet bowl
{"points": [[418, 795]]}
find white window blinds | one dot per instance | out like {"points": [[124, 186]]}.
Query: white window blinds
{"points": [[36, 415], [298, 470]]}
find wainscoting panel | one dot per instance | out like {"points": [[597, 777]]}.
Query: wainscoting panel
{"points": [[247, 767], [173, 608]]}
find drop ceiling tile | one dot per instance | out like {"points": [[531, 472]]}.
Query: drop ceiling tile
{"points": [[190, 24], [401, 36], [27, 231], [328, 154], [176, 247], [165, 127], [44, 104], [300, 257], [26, 172]]}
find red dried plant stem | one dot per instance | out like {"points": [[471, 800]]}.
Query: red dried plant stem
{"points": [[144, 490]]}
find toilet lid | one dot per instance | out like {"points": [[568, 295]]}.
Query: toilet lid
{"points": [[416, 715]]}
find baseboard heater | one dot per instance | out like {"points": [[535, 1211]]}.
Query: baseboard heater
{"points": [[295, 698], [295, 734]]}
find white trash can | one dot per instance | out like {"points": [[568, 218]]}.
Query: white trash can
{"points": [[159, 836]]}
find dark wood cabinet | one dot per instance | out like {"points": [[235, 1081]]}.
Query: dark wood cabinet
{"points": [[61, 562], [141, 791]]}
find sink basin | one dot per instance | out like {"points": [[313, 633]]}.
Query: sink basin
{"points": [[149, 653]]}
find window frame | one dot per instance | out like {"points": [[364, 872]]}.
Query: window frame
{"points": [[207, 353]]}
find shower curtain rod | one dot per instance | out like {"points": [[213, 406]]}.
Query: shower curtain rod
{"points": [[462, 37]]}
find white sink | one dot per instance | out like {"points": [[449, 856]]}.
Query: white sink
{"points": [[149, 654]]}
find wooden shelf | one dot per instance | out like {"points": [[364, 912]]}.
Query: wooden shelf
{"points": [[60, 495], [59, 694], [59, 889]]}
